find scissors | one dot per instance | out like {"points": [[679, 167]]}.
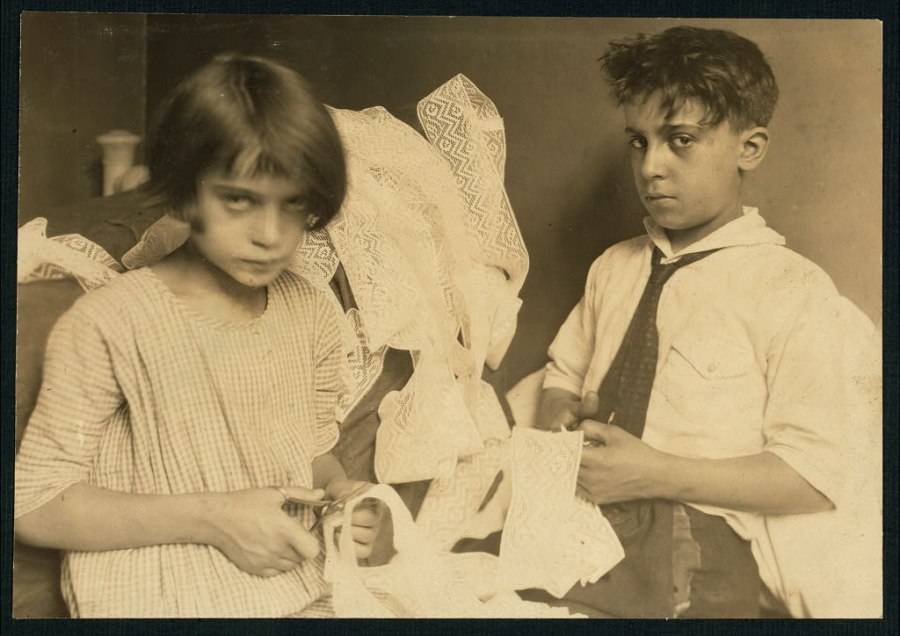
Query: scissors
{"points": [[321, 507]]}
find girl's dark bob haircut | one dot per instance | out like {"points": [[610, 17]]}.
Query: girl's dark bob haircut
{"points": [[246, 116]]}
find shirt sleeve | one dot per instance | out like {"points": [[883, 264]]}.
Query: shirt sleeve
{"points": [[79, 394], [573, 347], [808, 421], [330, 364]]}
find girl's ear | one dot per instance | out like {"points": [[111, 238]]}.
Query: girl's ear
{"points": [[754, 143], [311, 221]]}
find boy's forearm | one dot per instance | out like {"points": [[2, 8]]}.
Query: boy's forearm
{"points": [[761, 483], [88, 518]]}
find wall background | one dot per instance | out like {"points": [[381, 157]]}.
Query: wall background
{"points": [[82, 74], [567, 170]]}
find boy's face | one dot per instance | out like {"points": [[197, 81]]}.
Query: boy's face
{"points": [[250, 225], [686, 173]]}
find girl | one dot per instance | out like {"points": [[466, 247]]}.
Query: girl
{"points": [[181, 402]]}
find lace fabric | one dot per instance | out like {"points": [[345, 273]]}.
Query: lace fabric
{"points": [[552, 539], [435, 259], [64, 256], [420, 581]]}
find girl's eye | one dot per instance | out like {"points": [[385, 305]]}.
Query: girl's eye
{"points": [[637, 143], [297, 205], [682, 141], [236, 201]]}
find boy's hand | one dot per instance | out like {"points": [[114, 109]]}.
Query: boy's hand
{"points": [[616, 466], [566, 411], [365, 520], [249, 527]]}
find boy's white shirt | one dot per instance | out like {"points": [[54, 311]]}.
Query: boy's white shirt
{"points": [[758, 352]]}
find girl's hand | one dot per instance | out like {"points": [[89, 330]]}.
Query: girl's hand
{"points": [[250, 528], [616, 466], [365, 520]]}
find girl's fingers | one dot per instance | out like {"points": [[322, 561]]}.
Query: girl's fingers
{"points": [[366, 517], [364, 536], [269, 572], [303, 543], [303, 493], [287, 564]]}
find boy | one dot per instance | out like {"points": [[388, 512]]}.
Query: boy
{"points": [[706, 363]]}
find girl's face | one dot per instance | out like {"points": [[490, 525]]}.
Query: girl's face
{"points": [[248, 227]]}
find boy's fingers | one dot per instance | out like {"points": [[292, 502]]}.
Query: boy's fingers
{"points": [[590, 405], [596, 431], [564, 420]]}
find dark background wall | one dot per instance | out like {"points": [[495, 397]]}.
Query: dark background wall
{"points": [[82, 75], [567, 171]]}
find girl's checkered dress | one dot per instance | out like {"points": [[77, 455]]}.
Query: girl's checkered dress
{"points": [[143, 395]]}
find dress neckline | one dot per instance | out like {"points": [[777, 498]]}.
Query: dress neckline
{"points": [[206, 319]]}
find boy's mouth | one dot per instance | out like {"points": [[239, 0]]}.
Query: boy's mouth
{"points": [[658, 199]]}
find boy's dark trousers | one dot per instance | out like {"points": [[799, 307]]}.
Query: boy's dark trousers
{"points": [[679, 562]]}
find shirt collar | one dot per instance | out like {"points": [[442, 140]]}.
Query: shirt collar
{"points": [[748, 229]]}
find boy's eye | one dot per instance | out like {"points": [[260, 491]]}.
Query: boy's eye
{"points": [[682, 141], [638, 143]]}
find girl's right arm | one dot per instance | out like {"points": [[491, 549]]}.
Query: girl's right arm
{"points": [[248, 526], [55, 507]]}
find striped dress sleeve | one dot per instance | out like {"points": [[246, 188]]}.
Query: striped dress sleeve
{"points": [[79, 394], [329, 362]]}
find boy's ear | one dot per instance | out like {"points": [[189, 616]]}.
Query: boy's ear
{"points": [[754, 143]]}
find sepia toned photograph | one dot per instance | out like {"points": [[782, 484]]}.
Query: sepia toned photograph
{"points": [[448, 317]]}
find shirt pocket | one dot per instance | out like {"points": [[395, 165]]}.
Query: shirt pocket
{"points": [[709, 356]]}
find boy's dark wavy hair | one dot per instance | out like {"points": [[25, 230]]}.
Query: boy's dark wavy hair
{"points": [[246, 116], [725, 72]]}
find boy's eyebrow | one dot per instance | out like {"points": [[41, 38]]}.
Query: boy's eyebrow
{"points": [[672, 125], [667, 127]]}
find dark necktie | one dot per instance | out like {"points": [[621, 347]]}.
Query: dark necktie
{"points": [[640, 585], [625, 390]]}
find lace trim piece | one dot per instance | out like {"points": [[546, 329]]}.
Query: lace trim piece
{"points": [[420, 581], [552, 538], [64, 256], [435, 260]]}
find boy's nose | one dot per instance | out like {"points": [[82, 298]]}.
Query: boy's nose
{"points": [[653, 163]]}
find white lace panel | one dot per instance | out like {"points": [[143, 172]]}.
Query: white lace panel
{"points": [[64, 256], [552, 539], [420, 581]]}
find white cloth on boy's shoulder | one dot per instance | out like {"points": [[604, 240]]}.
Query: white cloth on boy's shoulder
{"points": [[756, 354]]}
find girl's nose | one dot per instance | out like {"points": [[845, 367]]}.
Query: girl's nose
{"points": [[266, 230]]}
